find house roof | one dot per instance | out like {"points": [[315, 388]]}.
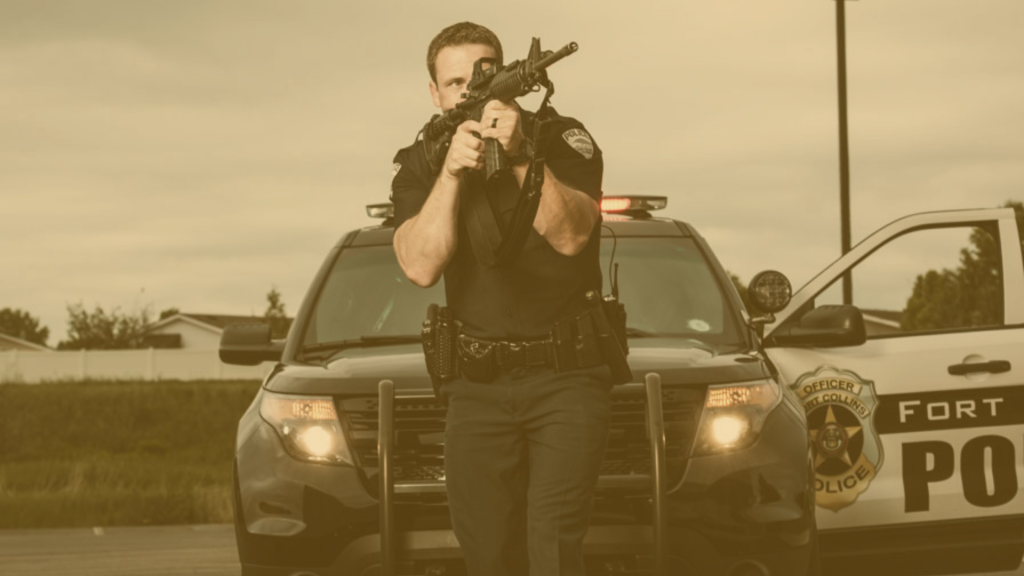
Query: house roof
{"points": [[223, 320], [18, 343], [213, 322]]}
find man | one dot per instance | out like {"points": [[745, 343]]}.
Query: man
{"points": [[523, 446]]}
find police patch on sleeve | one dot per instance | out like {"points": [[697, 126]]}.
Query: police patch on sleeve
{"points": [[395, 169], [580, 141]]}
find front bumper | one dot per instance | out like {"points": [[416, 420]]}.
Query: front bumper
{"points": [[748, 509], [609, 550]]}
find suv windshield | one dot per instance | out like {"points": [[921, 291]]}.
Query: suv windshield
{"points": [[669, 290], [666, 284]]}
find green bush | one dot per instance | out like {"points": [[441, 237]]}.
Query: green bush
{"points": [[118, 453]]}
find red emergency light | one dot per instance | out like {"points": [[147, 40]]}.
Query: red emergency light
{"points": [[633, 203]]}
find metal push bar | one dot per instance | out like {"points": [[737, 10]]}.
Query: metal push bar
{"points": [[656, 437], [385, 449]]}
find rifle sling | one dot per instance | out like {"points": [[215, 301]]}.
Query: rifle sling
{"points": [[485, 235], [492, 245]]}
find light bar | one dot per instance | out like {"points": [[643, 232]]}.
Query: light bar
{"points": [[615, 204], [632, 203], [380, 210]]}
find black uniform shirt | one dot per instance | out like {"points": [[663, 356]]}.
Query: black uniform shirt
{"points": [[522, 299]]}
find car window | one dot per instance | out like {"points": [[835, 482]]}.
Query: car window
{"points": [[935, 279], [666, 284]]}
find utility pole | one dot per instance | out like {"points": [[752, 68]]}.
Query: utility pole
{"points": [[844, 149]]}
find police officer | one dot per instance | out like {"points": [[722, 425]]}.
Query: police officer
{"points": [[523, 445]]}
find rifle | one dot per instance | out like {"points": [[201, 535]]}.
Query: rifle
{"points": [[492, 83]]}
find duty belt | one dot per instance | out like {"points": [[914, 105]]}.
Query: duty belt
{"points": [[565, 349], [579, 341], [517, 354]]}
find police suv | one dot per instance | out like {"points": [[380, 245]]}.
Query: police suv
{"points": [[886, 441]]}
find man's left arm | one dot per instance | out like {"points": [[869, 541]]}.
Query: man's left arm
{"points": [[568, 211], [565, 216]]}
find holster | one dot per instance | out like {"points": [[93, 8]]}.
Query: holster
{"points": [[440, 332]]}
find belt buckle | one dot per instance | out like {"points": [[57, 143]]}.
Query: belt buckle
{"points": [[536, 354], [509, 354]]}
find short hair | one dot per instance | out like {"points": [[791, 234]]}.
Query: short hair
{"points": [[457, 35]]}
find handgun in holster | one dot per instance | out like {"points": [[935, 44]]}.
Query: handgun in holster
{"points": [[440, 331]]}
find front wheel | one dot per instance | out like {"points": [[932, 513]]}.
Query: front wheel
{"points": [[813, 559]]}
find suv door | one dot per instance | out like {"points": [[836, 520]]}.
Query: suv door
{"points": [[921, 428]]}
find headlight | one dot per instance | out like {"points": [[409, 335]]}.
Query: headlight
{"points": [[308, 426], [734, 415]]}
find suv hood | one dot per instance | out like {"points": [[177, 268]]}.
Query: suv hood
{"points": [[358, 371]]}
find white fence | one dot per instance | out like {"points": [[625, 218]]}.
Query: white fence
{"points": [[19, 366]]}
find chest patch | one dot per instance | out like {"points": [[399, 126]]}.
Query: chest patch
{"points": [[395, 169], [580, 141]]}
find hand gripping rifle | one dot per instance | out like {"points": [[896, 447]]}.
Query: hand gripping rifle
{"points": [[491, 83]]}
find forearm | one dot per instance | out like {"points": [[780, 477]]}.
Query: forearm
{"points": [[426, 243], [565, 217]]}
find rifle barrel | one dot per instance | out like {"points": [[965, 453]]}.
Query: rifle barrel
{"points": [[556, 56]]}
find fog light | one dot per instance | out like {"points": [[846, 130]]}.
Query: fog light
{"points": [[727, 429]]}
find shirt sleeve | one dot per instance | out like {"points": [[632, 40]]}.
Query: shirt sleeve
{"points": [[573, 156], [409, 190]]}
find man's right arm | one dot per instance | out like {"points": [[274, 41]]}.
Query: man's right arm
{"points": [[426, 243]]}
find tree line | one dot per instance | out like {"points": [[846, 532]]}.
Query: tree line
{"points": [[100, 329]]}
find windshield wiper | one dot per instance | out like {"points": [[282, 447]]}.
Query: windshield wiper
{"points": [[362, 341], [638, 333], [700, 345], [693, 342]]}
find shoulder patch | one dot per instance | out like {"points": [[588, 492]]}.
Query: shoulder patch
{"points": [[395, 169], [580, 141]]}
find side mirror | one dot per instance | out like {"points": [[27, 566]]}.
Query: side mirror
{"points": [[825, 326], [249, 345]]}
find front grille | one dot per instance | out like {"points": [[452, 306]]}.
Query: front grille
{"points": [[419, 443]]}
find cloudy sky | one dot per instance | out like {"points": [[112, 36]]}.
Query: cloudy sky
{"points": [[195, 153]]}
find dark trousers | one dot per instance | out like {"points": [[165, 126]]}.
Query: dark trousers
{"points": [[522, 456]]}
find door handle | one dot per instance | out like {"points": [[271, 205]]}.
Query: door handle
{"points": [[993, 367]]}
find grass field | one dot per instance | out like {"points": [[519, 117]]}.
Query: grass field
{"points": [[118, 453]]}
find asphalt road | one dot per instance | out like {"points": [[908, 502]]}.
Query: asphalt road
{"points": [[120, 551], [133, 551]]}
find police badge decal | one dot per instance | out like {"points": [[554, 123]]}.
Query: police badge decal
{"points": [[840, 408]]}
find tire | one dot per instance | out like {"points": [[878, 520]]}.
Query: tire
{"points": [[236, 507], [813, 559]]}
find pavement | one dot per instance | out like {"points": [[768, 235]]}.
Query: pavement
{"points": [[206, 550]]}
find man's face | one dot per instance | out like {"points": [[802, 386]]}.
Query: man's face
{"points": [[454, 68]]}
